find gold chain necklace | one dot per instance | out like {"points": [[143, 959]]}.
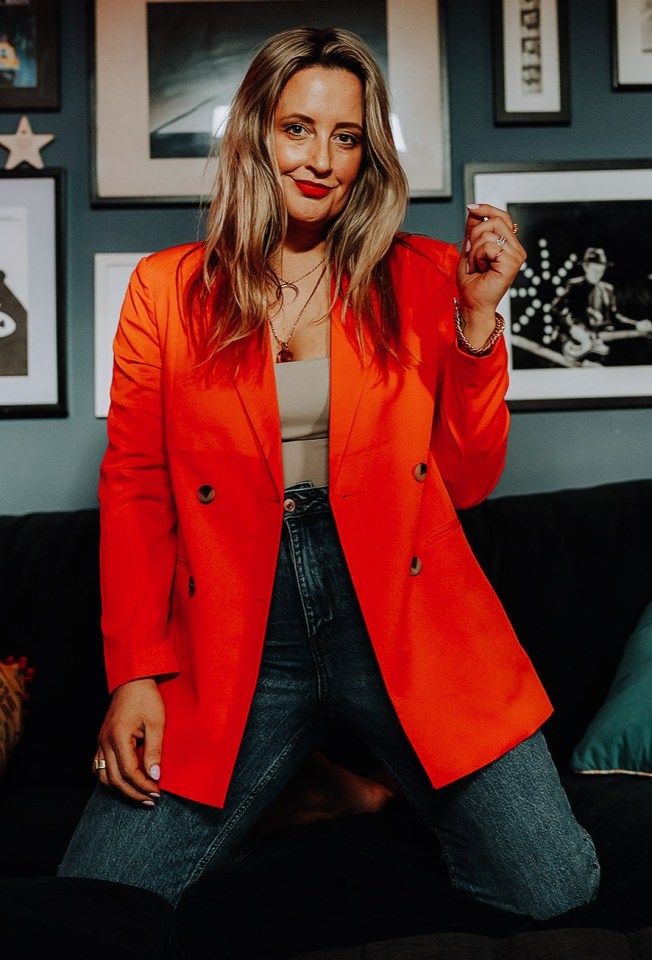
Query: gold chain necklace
{"points": [[285, 355], [292, 284]]}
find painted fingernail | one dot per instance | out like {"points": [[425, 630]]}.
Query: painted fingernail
{"points": [[467, 245], [155, 771], [157, 796], [472, 206], [148, 803]]}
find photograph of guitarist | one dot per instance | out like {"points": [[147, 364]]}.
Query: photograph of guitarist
{"points": [[587, 313]]}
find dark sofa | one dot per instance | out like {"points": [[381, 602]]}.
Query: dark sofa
{"points": [[574, 571]]}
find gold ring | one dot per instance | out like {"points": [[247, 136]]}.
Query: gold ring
{"points": [[99, 764], [515, 229]]}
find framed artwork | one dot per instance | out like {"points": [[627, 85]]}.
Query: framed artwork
{"points": [[632, 44], [112, 273], [531, 83], [31, 294], [29, 55], [165, 72], [579, 313]]}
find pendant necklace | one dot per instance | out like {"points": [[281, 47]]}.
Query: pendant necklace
{"points": [[292, 284], [285, 355]]}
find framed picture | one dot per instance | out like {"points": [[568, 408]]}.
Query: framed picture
{"points": [[632, 44], [579, 313], [29, 55], [531, 62], [165, 72], [112, 274], [31, 294]]}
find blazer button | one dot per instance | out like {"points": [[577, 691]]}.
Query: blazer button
{"points": [[206, 494], [420, 472], [416, 567]]}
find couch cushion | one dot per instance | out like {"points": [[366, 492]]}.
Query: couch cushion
{"points": [[74, 918], [50, 602], [619, 738], [573, 569], [36, 824], [540, 945]]}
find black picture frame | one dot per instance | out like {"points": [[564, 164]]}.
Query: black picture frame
{"points": [[32, 320], [570, 215], [31, 31], [531, 62], [126, 167]]}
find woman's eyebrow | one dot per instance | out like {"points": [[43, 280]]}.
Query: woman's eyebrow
{"points": [[304, 118]]}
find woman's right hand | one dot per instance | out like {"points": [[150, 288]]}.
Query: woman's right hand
{"points": [[131, 739]]}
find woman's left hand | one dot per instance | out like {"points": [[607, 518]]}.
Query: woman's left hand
{"points": [[491, 258]]}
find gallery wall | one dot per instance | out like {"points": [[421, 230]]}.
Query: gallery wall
{"points": [[52, 464]]}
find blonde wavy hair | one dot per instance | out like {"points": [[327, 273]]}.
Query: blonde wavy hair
{"points": [[247, 221]]}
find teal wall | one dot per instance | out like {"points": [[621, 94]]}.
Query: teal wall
{"points": [[53, 464]]}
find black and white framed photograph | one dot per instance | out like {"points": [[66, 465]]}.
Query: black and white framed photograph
{"points": [[32, 381], [165, 72], [112, 272], [29, 55], [632, 44], [531, 63], [579, 313]]}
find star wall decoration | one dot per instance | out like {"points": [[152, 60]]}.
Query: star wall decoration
{"points": [[24, 146]]}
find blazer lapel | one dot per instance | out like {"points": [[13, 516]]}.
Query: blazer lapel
{"points": [[349, 372], [256, 386]]}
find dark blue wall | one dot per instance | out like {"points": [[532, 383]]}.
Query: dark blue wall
{"points": [[52, 464]]}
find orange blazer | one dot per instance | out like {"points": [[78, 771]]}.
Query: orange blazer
{"points": [[191, 494]]}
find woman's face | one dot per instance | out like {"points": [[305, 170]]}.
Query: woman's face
{"points": [[318, 133]]}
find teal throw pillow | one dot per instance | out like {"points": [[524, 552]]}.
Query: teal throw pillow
{"points": [[619, 738]]}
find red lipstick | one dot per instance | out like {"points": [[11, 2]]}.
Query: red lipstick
{"points": [[311, 189]]}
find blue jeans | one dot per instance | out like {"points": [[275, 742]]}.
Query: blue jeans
{"points": [[507, 833]]}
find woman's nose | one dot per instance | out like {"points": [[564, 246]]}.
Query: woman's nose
{"points": [[320, 156]]}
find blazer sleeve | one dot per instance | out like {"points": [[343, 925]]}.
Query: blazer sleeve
{"points": [[138, 541], [471, 422]]}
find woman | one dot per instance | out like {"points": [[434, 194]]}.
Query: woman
{"points": [[299, 405]]}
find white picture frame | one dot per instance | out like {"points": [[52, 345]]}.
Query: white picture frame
{"points": [[531, 69], [632, 44], [563, 210], [127, 128], [32, 340], [112, 272]]}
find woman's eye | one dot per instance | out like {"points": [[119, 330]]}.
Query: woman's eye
{"points": [[296, 129], [348, 139]]}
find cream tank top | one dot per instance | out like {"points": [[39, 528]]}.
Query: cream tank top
{"points": [[303, 389]]}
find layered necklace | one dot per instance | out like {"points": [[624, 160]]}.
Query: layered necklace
{"points": [[284, 354]]}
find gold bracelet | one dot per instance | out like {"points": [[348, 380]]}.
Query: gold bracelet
{"points": [[495, 335]]}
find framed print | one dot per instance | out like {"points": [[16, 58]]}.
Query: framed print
{"points": [[112, 274], [632, 44], [579, 313], [165, 72], [31, 294], [531, 62], [29, 55]]}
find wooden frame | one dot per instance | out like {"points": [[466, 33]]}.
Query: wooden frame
{"points": [[531, 72], [569, 348], [112, 274], [150, 145], [631, 44], [29, 55], [32, 381]]}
